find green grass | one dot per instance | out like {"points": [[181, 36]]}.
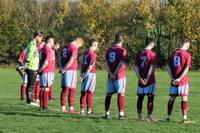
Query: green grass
{"points": [[16, 116]]}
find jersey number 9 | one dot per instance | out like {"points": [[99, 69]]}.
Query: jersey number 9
{"points": [[112, 56]]}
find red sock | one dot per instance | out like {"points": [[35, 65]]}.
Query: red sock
{"points": [[41, 99], [184, 107], [139, 103], [120, 102], [150, 105], [107, 102], [170, 107], [51, 92], [89, 100], [82, 100], [63, 96], [46, 97], [71, 97], [23, 88], [37, 91]]}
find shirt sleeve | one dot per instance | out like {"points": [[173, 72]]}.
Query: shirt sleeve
{"points": [[123, 55], [154, 60], [22, 56], [92, 59], [137, 59], [188, 62], [30, 51]]}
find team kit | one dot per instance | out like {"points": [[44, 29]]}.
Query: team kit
{"points": [[38, 65]]}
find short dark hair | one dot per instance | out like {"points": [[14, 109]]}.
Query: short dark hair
{"points": [[37, 33], [119, 37], [91, 41], [47, 38], [184, 40], [148, 41]]}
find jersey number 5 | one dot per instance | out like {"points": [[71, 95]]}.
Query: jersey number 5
{"points": [[112, 56], [177, 60]]}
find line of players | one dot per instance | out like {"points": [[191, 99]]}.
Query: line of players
{"points": [[145, 65]]}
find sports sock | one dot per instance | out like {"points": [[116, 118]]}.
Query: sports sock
{"points": [[107, 102], [150, 106], [71, 97], [46, 97], [139, 105], [170, 108], [184, 106], [89, 101], [120, 103], [23, 88], [51, 92], [63, 96], [82, 100], [37, 91], [41, 99]]}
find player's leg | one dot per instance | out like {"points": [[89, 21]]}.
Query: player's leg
{"points": [[71, 99], [23, 86], [150, 91], [72, 89], [63, 92], [30, 85], [120, 86], [170, 107], [139, 106], [82, 102], [90, 89], [37, 91], [110, 91], [184, 101], [173, 92], [141, 95], [51, 87]]}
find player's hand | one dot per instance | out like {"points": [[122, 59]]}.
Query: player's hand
{"points": [[112, 77], [145, 81], [141, 81], [176, 81], [81, 79], [63, 71]]}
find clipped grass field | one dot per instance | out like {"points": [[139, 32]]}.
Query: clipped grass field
{"points": [[16, 116]]}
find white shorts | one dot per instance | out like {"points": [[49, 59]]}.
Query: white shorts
{"points": [[179, 91], [69, 79], [24, 79], [45, 80], [149, 90], [88, 84], [116, 86]]}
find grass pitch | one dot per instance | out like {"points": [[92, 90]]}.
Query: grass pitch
{"points": [[16, 116]]}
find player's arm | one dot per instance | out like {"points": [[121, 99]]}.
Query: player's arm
{"points": [[169, 72], [150, 72], [106, 66], [43, 65], [185, 71], [30, 51], [136, 68], [118, 67], [68, 64]]}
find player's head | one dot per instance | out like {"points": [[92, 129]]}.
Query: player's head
{"points": [[149, 42], [119, 38], [185, 44], [79, 41], [56, 46], [38, 36], [49, 41], [93, 44]]}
